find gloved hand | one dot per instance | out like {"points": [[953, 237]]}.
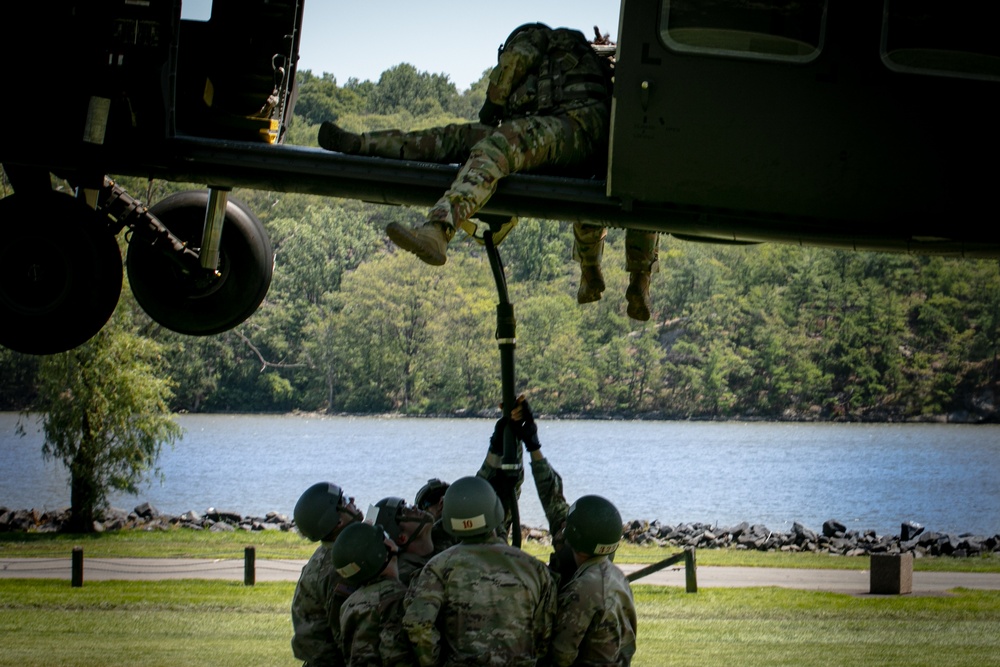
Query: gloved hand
{"points": [[524, 425], [490, 114], [496, 440]]}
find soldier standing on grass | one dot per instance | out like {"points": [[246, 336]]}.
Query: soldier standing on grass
{"points": [[371, 630], [321, 514], [481, 602], [596, 621]]}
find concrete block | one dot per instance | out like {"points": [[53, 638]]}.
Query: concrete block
{"points": [[891, 574]]}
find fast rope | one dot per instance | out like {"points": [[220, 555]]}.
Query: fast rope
{"points": [[506, 337]]}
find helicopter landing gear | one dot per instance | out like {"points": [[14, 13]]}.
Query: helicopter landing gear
{"points": [[236, 261], [60, 272]]}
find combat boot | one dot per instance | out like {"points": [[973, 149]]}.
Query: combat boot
{"points": [[334, 138], [637, 296], [429, 242], [591, 284]]}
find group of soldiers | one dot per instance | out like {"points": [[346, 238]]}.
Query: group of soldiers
{"points": [[548, 108], [386, 591]]}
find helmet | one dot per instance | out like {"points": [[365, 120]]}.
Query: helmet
{"points": [[360, 554], [522, 28], [430, 493], [471, 508], [317, 511], [385, 513], [593, 526]]}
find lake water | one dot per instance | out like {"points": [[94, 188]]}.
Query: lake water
{"points": [[946, 477]]}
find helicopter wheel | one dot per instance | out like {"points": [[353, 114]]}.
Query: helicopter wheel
{"points": [[60, 273], [202, 305]]}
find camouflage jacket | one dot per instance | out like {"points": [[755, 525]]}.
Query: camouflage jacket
{"points": [[545, 71], [371, 626], [410, 565], [491, 472], [550, 493], [596, 621], [481, 604], [548, 483], [316, 611]]}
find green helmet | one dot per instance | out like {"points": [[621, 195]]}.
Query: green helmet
{"points": [[360, 554], [593, 526], [317, 511], [430, 493], [471, 508], [385, 513], [518, 30]]}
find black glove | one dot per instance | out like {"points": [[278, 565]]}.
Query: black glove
{"points": [[490, 114], [496, 440], [526, 430]]}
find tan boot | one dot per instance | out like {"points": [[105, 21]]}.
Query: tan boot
{"points": [[637, 296], [591, 284], [333, 138], [429, 242]]}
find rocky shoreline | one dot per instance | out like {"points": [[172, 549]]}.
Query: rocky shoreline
{"points": [[833, 538]]}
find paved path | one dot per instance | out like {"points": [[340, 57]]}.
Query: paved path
{"points": [[150, 569]]}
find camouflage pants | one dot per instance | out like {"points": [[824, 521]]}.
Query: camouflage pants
{"points": [[641, 248], [489, 153]]}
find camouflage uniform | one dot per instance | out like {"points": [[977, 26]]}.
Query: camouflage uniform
{"points": [[410, 564], [549, 485], [491, 472], [442, 539], [371, 626], [316, 604], [561, 126], [481, 603], [596, 621], [642, 252]]}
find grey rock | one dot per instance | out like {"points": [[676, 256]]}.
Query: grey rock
{"points": [[909, 530], [832, 527], [146, 511]]}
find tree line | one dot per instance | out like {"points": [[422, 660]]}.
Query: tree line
{"points": [[766, 332]]}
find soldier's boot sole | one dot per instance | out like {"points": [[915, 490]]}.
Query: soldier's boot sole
{"points": [[429, 242]]}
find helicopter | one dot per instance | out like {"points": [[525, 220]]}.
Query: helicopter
{"points": [[863, 126]]}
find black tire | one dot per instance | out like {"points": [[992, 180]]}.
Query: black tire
{"points": [[202, 307], [60, 273]]}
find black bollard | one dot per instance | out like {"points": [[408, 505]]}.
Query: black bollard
{"points": [[76, 579], [690, 571], [249, 566]]}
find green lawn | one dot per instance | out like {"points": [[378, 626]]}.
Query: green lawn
{"points": [[186, 543], [177, 623], [772, 626]]}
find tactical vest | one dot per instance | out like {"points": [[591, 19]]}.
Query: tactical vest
{"points": [[570, 75]]}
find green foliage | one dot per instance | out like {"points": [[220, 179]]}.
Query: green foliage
{"points": [[106, 414], [320, 98], [765, 332]]}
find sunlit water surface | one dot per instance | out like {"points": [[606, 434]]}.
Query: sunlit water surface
{"points": [[866, 476]]}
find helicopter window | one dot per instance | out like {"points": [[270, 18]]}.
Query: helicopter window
{"points": [[790, 30], [957, 38], [196, 10]]}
